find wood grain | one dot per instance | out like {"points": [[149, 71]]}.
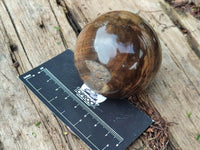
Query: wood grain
{"points": [[30, 26]]}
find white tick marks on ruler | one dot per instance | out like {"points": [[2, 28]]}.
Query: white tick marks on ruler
{"points": [[89, 113], [48, 80], [53, 99], [89, 136], [57, 89], [76, 106], [29, 75], [66, 97], [63, 112], [78, 122], [96, 124], [39, 89], [105, 147]]}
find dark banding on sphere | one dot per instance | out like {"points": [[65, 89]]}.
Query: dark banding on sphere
{"points": [[117, 54]]}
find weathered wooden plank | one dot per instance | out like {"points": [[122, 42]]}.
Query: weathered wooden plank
{"points": [[30, 26], [186, 21], [176, 90], [17, 112]]}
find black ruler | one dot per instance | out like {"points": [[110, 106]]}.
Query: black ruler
{"points": [[113, 125]]}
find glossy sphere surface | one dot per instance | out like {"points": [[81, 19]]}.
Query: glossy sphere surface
{"points": [[117, 54]]}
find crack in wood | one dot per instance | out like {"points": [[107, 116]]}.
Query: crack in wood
{"points": [[60, 32], [13, 47], [15, 138], [11, 19], [42, 25], [6, 77], [190, 39], [82, 14], [71, 19]]}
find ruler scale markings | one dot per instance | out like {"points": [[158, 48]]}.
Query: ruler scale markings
{"points": [[63, 112], [67, 97], [106, 147], [89, 136], [27, 76], [79, 103], [48, 80], [39, 89], [51, 100], [63, 116], [57, 88], [115, 134], [78, 122], [86, 115], [79, 111]]}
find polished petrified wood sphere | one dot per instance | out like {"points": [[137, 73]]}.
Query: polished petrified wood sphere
{"points": [[117, 54]]}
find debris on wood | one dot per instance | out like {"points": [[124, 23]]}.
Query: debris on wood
{"points": [[37, 124], [186, 6], [33, 133], [189, 114], [182, 29], [156, 136], [198, 137], [56, 28], [16, 64], [41, 25]]}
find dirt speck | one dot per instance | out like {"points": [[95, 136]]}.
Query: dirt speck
{"points": [[13, 47], [156, 136], [16, 64]]}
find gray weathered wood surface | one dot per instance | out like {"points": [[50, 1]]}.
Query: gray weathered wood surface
{"points": [[30, 26]]}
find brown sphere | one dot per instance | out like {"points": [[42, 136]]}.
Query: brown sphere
{"points": [[118, 54]]}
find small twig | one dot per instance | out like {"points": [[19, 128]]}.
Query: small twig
{"points": [[166, 144]]}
